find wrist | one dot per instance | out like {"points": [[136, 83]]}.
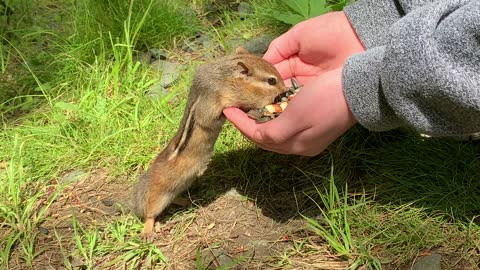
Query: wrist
{"points": [[363, 92]]}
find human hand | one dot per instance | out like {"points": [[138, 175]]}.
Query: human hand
{"points": [[315, 118], [314, 46], [313, 52]]}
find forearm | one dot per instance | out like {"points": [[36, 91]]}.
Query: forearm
{"points": [[424, 73]]}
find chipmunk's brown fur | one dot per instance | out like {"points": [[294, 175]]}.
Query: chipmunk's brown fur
{"points": [[238, 80]]}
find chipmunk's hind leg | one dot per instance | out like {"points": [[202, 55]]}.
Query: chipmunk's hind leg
{"points": [[153, 207]]}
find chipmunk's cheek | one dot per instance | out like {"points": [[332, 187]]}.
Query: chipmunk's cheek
{"points": [[227, 101]]}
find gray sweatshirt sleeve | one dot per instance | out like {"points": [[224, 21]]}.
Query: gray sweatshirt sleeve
{"points": [[421, 67]]}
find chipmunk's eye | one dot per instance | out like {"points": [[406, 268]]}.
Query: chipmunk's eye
{"points": [[272, 81]]}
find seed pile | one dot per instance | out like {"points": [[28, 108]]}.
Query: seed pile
{"points": [[271, 111]]}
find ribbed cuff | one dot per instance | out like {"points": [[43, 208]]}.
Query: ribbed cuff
{"points": [[371, 20], [363, 91]]}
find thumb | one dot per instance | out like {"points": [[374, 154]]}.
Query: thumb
{"points": [[247, 126], [267, 134], [240, 119]]}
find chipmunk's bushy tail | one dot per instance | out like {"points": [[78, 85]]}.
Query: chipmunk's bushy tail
{"points": [[137, 198]]}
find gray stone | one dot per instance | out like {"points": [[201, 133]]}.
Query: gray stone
{"points": [[78, 264], [233, 193], [196, 44], [245, 9], [146, 58], [205, 41], [71, 177], [258, 45], [430, 262], [222, 258], [107, 202], [170, 71], [143, 57], [189, 46], [158, 54], [157, 91]]}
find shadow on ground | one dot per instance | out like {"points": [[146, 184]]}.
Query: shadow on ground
{"points": [[257, 221], [397, 167]]}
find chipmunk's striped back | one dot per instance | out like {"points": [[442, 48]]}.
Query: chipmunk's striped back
{"points": [[242, 80]]}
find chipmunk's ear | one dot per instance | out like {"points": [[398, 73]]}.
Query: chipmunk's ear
{"points": [[244, 69], [241, 50]]}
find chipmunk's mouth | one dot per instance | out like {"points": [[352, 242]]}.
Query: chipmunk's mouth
{"points": [[270, 111]]}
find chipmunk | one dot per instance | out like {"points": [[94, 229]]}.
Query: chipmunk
{"points": [[239, 80]]}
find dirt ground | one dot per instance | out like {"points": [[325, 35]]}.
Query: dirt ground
{"points": [[223, 222], [230, 230]]}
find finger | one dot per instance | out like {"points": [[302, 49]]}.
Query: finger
{"points": [[245, 125], [240, 119], [282, 48], [295, 145], [251, 130], [289, 122], [285, 69], [303, 143], [266, 135], [294, 67]]}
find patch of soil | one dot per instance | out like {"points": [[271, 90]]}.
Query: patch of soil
{"points": [[90, 200], [232, 232], [229, 231]]}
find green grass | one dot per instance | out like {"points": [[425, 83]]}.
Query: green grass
{"points": [[74, 99]]}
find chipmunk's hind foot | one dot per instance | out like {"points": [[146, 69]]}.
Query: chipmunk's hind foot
{"points": [[154, 207], [147, 234]]}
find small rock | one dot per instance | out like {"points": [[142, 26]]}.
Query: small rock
{"points": [[430, 262], [170, 71], [143, 57], [146, 58], [222, 259], [107, 202], [202, 42], [245, 9], [43, 230], [70, 177], [205, 41], [258, 45], [157, 91], [233, 193], [158, 54], [78, 264], [189, 46]]}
